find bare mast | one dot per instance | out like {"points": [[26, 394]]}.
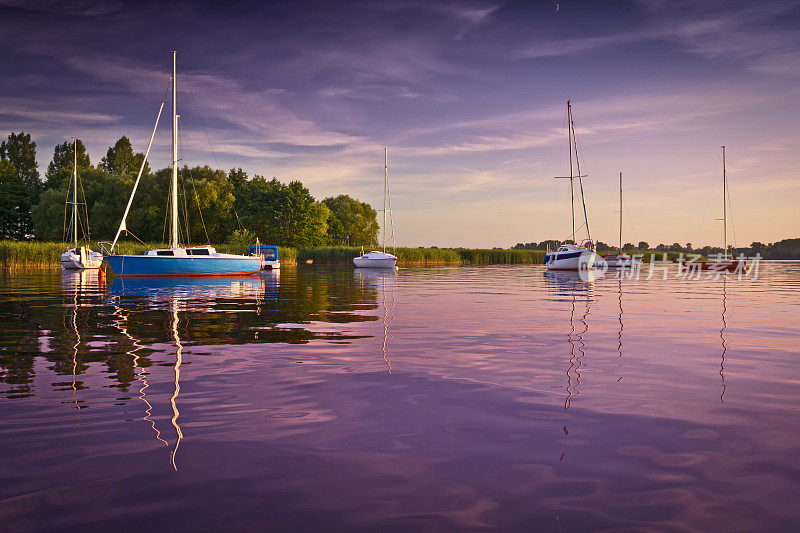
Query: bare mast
{"points": [[174, 187], [75, 192], [724, 207], [571, 177], [620, 212], [385, 186]]}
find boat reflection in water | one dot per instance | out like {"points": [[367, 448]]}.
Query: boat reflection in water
{"points": [[384, 280], [78, 285], [176, 296], [578, 289]]}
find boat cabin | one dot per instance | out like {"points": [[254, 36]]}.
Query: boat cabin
{"points": [[183, 252]]}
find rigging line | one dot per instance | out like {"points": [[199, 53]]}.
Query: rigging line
{"points": [[196, 196], [182, 176], [197, 108], [64, 229], [580, 180], [730, 209], [85, 211], [197, 200]]}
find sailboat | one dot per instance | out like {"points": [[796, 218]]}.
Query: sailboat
{"points": [[78, 257], [620, 259], [376, 259], [176, 260], [721, 264], [571, 256]]}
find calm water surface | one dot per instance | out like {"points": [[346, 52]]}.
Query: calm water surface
{"points": [[433, 398]]}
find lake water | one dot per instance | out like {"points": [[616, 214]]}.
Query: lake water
{"points": [[427, 399]]}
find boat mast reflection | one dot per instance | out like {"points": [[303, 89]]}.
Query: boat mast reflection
{"points": [[121, 322], [177, 374], [572, 284], [621, 327], [722, 338], [374, 277]]}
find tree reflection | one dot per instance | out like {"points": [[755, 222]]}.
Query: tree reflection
{"points": [[72, 321]]}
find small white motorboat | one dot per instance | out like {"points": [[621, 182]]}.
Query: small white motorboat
{"points": [[375, 259]]}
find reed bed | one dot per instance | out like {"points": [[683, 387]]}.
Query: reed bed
{"points": [[46, 254], [424, 256]]}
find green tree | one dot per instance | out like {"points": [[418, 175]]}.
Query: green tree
{"points": [[237, 177], [643, 245], [209, 202], [121, 159], [60, 168], [14, 203], [282, 214], [21, 152], [351, 223]]}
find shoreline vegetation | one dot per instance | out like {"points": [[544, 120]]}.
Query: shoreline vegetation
{"points": [[15, 254]]}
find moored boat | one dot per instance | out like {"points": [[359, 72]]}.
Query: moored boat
{"points": [[720, 264], [620, 259], [571, 256], [268, 253], [176, 260], [376, 259], [78, 257]]}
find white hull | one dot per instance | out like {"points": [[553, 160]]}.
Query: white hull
{"points": [[270, 265], [83, 260], [375, 260], [573, 259]]}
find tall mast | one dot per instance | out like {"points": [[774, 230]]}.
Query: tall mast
{"points": [[580, 182], [724, 207], [571, 177], [385, 186], [75, 191], [620, 212], [174, 187]]}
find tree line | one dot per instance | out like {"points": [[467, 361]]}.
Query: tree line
{"points": [[215, 206], [784, 249]]}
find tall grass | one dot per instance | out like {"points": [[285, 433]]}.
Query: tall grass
{"points": [[423, 256], [45, 254]]}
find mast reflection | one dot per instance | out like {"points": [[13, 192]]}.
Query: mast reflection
{"points": [[570, 285], [722, 338], [375, 277], [621, 326], [121, 322], [177, 373]]}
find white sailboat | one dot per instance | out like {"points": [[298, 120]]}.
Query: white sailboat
{"points": [[76, 257], [571, 256], [619, 259], [721, 264], [378, 259]]}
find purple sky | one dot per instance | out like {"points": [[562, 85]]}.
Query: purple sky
{"points": [[468, 96]]}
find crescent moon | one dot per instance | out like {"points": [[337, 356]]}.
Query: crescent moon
{"points": [[557, 8]]}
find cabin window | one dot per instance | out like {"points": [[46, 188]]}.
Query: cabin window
{"points": [[197, 251], [269, 254], [164, 252]]}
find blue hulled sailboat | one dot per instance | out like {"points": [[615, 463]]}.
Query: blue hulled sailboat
{"points": [[175, 260]]}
